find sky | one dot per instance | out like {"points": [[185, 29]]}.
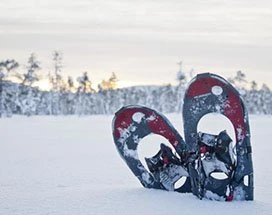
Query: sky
{"points": [[141, 40]]}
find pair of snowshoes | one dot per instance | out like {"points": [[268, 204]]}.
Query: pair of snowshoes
{"points": [[201, 157]]}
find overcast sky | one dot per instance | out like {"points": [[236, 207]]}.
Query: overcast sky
{"points": [[141, 40]]}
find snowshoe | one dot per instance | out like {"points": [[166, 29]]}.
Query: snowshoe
{"points": [[130, 125], [209, 93]]}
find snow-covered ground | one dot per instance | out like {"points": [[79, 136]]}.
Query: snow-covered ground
{"points": [[69, 165]]}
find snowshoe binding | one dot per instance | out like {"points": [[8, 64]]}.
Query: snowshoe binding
{"points": [[212, 170], [167, 169]]}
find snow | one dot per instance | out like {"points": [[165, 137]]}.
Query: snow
{"points": [[130, 152], [69, 165]]}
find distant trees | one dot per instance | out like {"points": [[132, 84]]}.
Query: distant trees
{"points": [[239, 80], [26, 96], [55, 78], [240, 77], [33, 66], [109, 84], [70, 83], [165, 99], [57, 82], [84, 83], [6, 67], [78, 96], [181, 77]]}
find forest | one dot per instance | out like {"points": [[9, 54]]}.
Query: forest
{"points": [[20, 96]]}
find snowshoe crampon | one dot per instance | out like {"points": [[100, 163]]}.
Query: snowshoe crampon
{"points": [[133, 123], [209, 93]]}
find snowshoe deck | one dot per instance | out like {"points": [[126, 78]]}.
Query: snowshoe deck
{"points": [[209, 93], [130, 125]]}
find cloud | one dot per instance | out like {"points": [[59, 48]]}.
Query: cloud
{"points": [[140, 36]]}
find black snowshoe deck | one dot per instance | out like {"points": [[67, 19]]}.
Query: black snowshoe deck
{"points": [[209, 93]]}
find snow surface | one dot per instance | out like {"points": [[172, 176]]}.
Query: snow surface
{"points": [[69, 165]]}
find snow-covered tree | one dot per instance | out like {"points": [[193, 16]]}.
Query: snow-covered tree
{"points": [[181, 77], [58, 85], [56, 77], [33, 66], [27, 100], [239, 80], [85, 84], [6, 67], [29, 96], [110, 84]]}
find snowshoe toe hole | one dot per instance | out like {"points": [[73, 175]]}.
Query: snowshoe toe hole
{"points": [[179, 183], [219, 175], [246, 180]]}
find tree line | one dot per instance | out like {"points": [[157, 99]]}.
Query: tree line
{"points": [[57, 82], [23, 98]]}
